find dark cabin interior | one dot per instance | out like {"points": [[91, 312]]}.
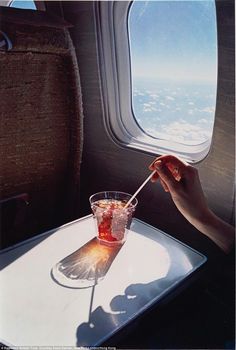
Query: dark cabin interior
{"points": [[55, 153]]}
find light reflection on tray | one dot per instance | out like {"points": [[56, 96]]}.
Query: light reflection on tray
{"points": [[86, 266]]}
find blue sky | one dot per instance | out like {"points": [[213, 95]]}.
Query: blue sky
{"points": [[174, 39], [23, 4]]}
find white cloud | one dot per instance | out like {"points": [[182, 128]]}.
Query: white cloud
{"points": [[190, 111], [170, 98], [147, 109], [208, 110], [182, 132], [203, 120], [154, 96]]}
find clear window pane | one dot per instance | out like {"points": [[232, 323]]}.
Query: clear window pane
{"points": [[23, 4], [173, 50]]}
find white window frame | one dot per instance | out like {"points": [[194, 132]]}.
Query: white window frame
{"points": [[114, 60]]}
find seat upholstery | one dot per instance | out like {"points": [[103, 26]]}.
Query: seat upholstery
{"points": [[41, 124]]}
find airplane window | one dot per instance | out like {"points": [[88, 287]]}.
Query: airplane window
{"points": [[173, 54], [23, 4], [158, 66], [26, 5]]}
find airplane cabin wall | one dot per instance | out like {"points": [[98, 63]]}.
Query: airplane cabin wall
{"points": [[107, 166]]}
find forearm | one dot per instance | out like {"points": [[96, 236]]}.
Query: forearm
{"points": [[182, 181], [217, 230]]}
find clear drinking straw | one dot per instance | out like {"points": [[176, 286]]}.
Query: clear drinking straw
{"points": [[139, 189]]}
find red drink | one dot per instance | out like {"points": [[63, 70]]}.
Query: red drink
{"points": [[111, 218]]}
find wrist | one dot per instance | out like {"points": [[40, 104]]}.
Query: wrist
{"points": [[205, 218], [217, 230]]}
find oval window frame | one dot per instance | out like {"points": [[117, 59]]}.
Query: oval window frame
{"points": [[111, 19]]}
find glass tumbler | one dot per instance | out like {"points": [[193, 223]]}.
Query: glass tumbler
{"points": [[112, 220]]}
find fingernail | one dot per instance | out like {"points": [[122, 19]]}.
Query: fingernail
{"points": [[157, 164]]}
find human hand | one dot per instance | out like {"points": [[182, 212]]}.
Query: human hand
{"points": [[181, 180]]}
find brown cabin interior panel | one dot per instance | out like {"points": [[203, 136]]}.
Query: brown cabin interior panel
{"points": [[106, 165]]}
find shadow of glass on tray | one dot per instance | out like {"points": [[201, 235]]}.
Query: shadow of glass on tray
{"points": [[112, 213], [86, 266]]}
